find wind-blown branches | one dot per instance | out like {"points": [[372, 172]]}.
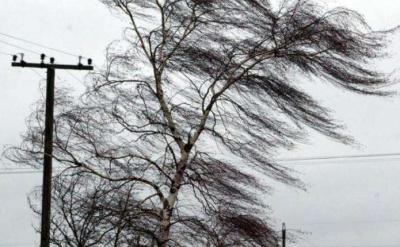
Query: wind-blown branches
{"points": [[98, 213]]}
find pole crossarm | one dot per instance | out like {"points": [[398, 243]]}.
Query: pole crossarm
{"points": [[52, 66]]}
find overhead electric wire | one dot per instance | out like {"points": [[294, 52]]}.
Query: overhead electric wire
{"points": [[345, 222], [301, 161], [38, 74], [309, 242], [76, 78], [19, 47], [8, 54], [12, 245], [21, 172], [344, 158], [360, 156], [43, 46]]}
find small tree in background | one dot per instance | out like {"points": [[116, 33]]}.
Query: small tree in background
{"points": [[191, 105]]}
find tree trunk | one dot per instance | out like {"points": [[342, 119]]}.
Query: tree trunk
{"points": [[169, 202]]}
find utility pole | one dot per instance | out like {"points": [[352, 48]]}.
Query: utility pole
{"points": [[48, 138], [283, 235]]}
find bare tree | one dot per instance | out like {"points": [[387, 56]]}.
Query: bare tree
{"points": [[193, 103], [88, 211]]}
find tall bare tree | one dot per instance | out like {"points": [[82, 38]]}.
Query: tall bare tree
{"points": [[194, 101]]}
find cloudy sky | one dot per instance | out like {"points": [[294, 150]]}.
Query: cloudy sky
{"points": [[349, 201]]}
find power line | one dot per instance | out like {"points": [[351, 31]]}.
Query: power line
{"points": [[76, 78], [327, 158], [32, 68], [8, 54], [345, 222], [21, 172], [38, 74], [44, 46], [309, 242], [340, 158], [40, 45], [19, 47], [316, 245], [378, 155], [337, 159], [64, 52], [9, 245]]}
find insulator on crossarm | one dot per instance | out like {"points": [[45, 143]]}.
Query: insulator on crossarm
{"points": [[52, 60], [89, 61], [14, 58]]}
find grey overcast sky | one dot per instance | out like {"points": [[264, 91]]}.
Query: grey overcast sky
{"points": [[349, 202]]}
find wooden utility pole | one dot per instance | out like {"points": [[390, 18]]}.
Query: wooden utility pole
{"points": [[283, 235], [48, 138]]}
